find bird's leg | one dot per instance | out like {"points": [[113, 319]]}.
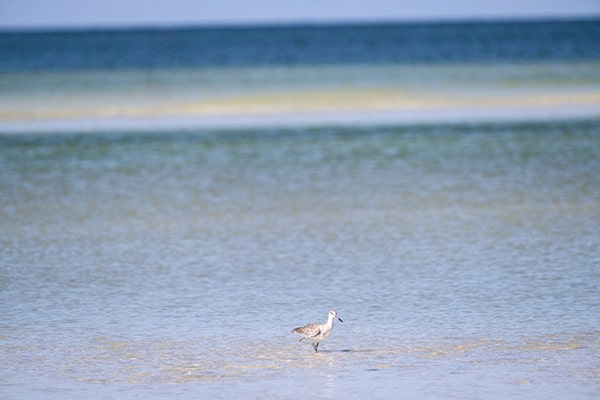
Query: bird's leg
{"points": [[315, 345], [301, 339]]}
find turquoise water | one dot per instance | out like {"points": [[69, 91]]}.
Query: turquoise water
{"points": [[462, 258], [173, 202]]}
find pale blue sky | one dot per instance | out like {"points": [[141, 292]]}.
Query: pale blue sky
{"points": [[82, 13]]}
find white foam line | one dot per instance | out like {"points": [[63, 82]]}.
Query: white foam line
{"points": [[303, 119]]}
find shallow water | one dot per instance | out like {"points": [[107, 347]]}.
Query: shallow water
{"points": [[463, 259]]}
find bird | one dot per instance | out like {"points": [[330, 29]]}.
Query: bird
{"points": [[316, 333]]}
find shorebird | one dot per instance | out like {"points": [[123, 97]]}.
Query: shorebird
{"points": [[317, 332]]}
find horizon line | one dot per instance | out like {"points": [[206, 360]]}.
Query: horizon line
{"points": [[270, 23]]}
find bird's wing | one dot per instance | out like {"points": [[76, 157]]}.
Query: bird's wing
{"points": [[310, 330], [316, 333]]}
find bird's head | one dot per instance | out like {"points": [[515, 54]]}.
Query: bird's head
{"points": [[333, 315]]}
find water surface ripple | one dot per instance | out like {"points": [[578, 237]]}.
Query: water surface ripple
{"points": [[464, 260]]}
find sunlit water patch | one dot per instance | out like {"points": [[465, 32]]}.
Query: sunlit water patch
{"points": [[364, 93]]}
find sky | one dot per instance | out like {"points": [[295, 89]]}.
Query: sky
{"points": [[40, 14]]}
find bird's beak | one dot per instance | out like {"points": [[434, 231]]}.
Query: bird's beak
{"points": [[340, 319]]}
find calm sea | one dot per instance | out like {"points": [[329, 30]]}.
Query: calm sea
{"points": [[174, 202]]}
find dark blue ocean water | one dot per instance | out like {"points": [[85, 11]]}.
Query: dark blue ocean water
{"points": [[301, 45]]}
